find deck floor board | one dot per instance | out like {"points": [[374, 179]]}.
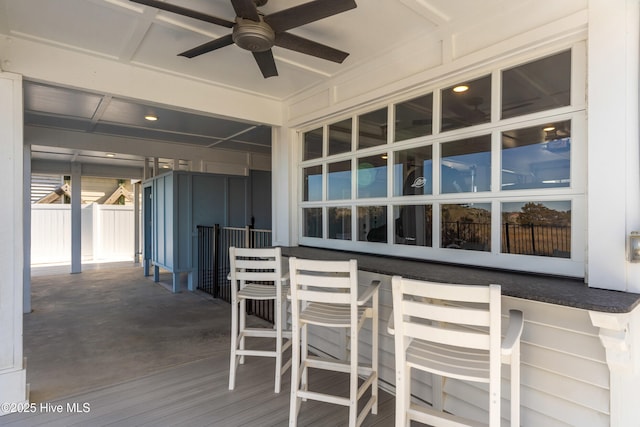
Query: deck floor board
{"points": [[196, 394]]}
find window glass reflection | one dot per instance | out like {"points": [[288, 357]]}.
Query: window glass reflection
{"points": [[312, 183], [372, 128], [466, 165], [537, 86], [339, 223], [412, 171], [372, 176], [312, 144], [413, 225], [340, 137], [372, 224], [312, 222], [414, 118], [537, 157], [339, 180], [537, 228], [466, 104], [466, 226]]}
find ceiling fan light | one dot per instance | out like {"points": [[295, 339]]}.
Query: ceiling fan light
{"points": [[460, 88], [253, 36]]}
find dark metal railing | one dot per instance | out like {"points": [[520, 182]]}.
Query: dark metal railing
{"points": [[213, 262], [207, 261], [466, 235], [541, 240], [523, 239]]}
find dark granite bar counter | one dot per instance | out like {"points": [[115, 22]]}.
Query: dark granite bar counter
{"points": [[550, 289]]}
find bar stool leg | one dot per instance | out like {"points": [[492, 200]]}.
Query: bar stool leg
{"points": [[234, 344], [278, 326]]}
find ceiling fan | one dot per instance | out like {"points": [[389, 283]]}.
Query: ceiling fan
{"points": [[258, 33]]}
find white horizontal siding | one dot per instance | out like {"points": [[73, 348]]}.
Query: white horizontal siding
{"points": [[564, 375]]}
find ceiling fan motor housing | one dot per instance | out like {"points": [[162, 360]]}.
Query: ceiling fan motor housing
{"points": [[253, 36]]}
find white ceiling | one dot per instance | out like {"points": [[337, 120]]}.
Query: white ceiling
{"points": [[146, 37]]}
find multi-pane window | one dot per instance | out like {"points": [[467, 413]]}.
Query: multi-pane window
{"points": [[339, 219], [466, 104], [537, 228], [413, 171], [372, 223], [372, 128], [414, 118], [536, 86], [372, 176], [466, 226], [465, 165], [537, 156], [339, 180], [312, 144], [339, 137], [455, 168], [312, 186], [312, 225], [413, 224]]}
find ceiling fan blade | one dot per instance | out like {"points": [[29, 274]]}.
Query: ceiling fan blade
{"points": [[306, 13], [208, 46], [302, 45], [266, 63], [185, 12], [246, 9]]}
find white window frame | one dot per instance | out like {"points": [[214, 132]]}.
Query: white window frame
{"points": [[575, 193]]}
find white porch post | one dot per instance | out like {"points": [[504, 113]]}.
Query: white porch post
{"points": [[13, 381], [613, 153], [26, 173], [76, 218], [284, 186], [136, 222]]}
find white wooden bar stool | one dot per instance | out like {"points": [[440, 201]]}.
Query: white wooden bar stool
{"points": [[452, 331], [256, 274], [325, 294]]}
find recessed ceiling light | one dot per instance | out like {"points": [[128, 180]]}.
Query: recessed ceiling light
{"points": [[151, 117], [461, 88], [110, 155], [549, 128]]}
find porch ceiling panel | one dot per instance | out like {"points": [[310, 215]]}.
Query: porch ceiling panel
{"points": [[72, 36]]}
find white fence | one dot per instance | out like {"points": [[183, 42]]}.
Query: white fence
{"points": [[107, 233]]}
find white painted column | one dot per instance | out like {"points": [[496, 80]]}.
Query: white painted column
{"points": [[26, 278], [13, 381], [613, 153], [136, 222], [284, 187], [76, 218]]}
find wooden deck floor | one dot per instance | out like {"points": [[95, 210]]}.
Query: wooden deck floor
{"points": [[196, 394], [101, 327]]}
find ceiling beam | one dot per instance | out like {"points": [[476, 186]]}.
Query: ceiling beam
{"points": [[137, 147], [106, 75], [56, 167], [427, 11], [139, 32]]}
